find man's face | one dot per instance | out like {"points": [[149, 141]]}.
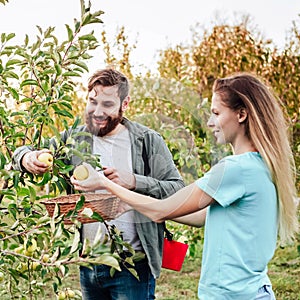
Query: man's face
{"points": [[104, 110]]}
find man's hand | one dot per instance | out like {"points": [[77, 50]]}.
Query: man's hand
{"points": [[123, 178], [31, 163]]}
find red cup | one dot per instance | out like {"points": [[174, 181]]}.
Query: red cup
{"points": [[173, 254]]}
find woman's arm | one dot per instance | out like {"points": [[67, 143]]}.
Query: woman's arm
{"points": [[196, 219], [188, 200]]}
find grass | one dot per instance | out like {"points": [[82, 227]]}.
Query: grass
{"points": [[284, 272]]}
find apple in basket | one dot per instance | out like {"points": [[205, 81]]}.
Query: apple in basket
{"points": [[81, 173]]}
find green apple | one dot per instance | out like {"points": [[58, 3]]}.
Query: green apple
{"points": [[70, 293], [19, 250], [34, 265], [22, 267], [30, 246], [81, 173], [61, 295], [45, 258], [2, 278], [46, 158]]}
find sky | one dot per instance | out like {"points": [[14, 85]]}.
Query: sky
{"points": [[155, 24]]}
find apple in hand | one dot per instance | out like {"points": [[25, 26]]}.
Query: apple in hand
{"points": [[46, 158], [81, 173]]}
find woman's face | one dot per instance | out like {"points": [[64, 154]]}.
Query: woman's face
{"points": [[224, 122]]}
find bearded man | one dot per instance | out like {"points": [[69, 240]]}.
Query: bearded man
{"points": [[136, 158]]}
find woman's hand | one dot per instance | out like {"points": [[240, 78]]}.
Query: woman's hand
{"points": [[95, 180]]}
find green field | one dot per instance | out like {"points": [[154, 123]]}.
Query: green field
{"points": [[284, 272]]}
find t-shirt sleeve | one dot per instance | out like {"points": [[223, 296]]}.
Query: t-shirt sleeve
{"points": [[223, 182]]}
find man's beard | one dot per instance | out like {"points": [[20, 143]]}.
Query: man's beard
{"points": [[111, 124]]}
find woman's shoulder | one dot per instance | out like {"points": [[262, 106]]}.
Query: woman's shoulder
{"points": [[240, 162], [244, 157]]}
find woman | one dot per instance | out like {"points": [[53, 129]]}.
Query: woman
{"points": [[245, 200]]}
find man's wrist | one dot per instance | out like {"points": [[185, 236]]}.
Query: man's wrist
{"points": [[23, 161], [133, 183]]}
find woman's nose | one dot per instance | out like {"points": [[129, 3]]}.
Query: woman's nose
{"points": [[210, 122]]}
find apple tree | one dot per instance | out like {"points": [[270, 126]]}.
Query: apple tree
{"points": [[38, 82]]}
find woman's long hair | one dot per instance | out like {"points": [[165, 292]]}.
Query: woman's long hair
{"points": [[266, 127]]}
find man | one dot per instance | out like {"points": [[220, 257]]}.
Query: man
{"points": [[134, 157]]}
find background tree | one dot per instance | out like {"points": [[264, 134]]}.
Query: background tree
{"points": [[226, 49]]}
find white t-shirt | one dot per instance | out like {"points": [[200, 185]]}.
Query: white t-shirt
{"points": [[115, 151]]}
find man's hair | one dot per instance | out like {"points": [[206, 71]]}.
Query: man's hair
{"points": [[110, 77]]}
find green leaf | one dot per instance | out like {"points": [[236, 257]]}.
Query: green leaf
{"points": [[75, 242], [29, 82], [26, 41], [26, 100], [98, 13], [66, 104], [76, 122], [23, 192], [58, 69], [11, 74], [2, 161], [46, 178], [96, 216], [32, 193], [12, 62], [71, 73], [86, 19], [79, 203], [70, 33], [109, 260], [10, 36], [77, 24], [13, 92], [87, 37], [64, 113], [48, 32], [81, 64], [39, 28]]}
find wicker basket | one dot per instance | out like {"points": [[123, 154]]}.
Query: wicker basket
{"points": [[105, 205]]}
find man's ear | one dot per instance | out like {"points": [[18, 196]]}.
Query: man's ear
{"points": [[125, 103], [242, 115]]}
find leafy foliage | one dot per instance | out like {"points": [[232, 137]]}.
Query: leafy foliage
{"points": [[226, 49], [37, 85], [176, 102]]}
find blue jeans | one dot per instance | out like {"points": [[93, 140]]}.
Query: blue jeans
{"points": [[265, 293], [97, 284]]}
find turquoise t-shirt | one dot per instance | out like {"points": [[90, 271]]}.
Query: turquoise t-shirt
{"points": [[240, 228]]}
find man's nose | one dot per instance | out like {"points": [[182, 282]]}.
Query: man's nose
{"points": [[99, 111]]}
